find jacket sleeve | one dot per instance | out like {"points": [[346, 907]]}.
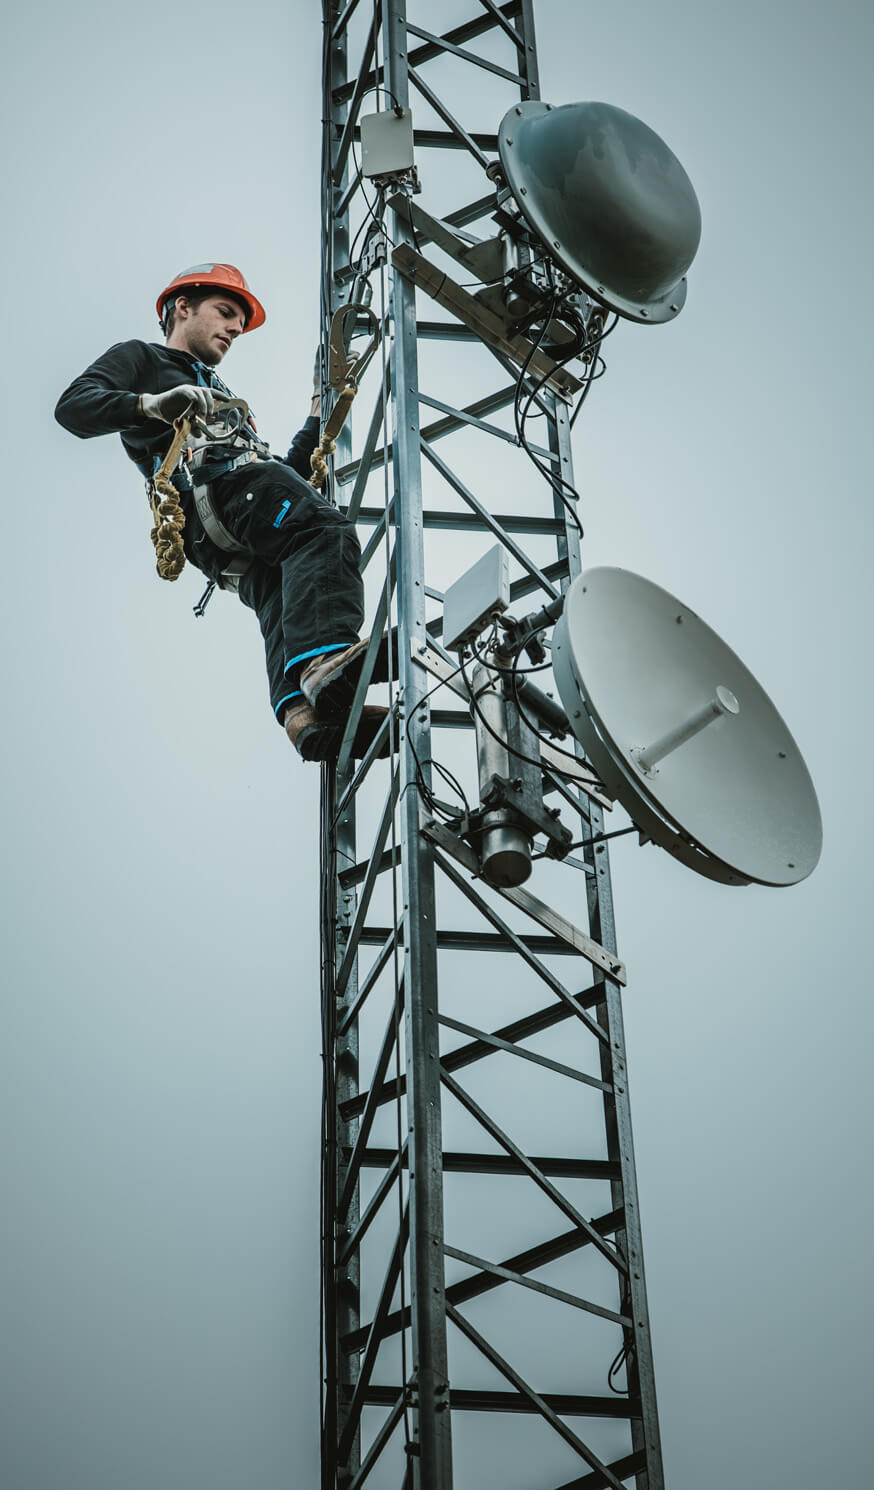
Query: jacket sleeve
{"points": [[103, 400], [302, 447]]}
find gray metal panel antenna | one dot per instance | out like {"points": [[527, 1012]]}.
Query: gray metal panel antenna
{"points": [[682, 734]]}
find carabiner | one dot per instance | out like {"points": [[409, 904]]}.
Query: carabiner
{"points": [[344, 369]]}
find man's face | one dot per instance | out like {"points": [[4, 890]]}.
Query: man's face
{"points": [[207, 329]]}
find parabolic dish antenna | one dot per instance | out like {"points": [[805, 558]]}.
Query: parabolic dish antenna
{"points": [[681, 733], [610, 202]]}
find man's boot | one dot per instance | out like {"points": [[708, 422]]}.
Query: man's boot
{"points": [[316, 739], [329, 681]]}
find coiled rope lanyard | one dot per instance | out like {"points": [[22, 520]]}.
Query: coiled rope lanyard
{"points": [[167, 513], [344, 372]]}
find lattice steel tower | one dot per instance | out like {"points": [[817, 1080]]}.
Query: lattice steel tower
{"points": [[484, 1303]]}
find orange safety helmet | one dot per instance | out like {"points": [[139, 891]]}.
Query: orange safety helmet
{"points": [[214, 277]]}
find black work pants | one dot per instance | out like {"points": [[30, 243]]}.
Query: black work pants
{"points": [[304, 583]]}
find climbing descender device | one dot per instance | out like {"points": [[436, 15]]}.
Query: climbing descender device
{"points": [[344, 374]]}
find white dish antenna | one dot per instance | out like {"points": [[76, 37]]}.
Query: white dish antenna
{"points": [[681, 733]]}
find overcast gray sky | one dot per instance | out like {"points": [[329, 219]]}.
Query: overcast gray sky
{"points": [[160, 1056]]}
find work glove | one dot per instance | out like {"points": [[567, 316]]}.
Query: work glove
{"points": [[176, 402]]}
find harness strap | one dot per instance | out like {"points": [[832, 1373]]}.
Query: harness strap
{"points": [[206, 511], [212, 523], [214, 527], [229, 578]]}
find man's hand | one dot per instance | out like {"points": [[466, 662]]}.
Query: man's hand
{"points": [[176, 402]]}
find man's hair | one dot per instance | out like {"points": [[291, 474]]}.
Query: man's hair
{"points": [[194, 297]]}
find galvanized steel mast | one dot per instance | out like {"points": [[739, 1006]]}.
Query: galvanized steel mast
{"points": [[408, 1349]]}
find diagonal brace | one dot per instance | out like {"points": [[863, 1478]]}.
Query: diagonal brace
{"points": [[533, 1397], [536, 1174]]}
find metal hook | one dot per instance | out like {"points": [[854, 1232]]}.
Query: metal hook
{"points": [[343, 368]]}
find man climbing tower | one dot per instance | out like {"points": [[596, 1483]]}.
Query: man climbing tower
{"points": [[252, 521]]}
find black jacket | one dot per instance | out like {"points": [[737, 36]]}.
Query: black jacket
{"points": [[103, 401]]}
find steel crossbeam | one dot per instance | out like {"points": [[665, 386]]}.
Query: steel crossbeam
{"points": [[440, 1195]]}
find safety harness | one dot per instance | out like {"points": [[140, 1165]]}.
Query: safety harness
{"points": [[207, 448], [210, 447]]}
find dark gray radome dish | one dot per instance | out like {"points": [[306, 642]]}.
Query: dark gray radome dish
{"points": [[609, 200]]}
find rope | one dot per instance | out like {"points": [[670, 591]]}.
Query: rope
{"points": [[166, 508], [167, 532], [328, 444], [164, 500]]}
